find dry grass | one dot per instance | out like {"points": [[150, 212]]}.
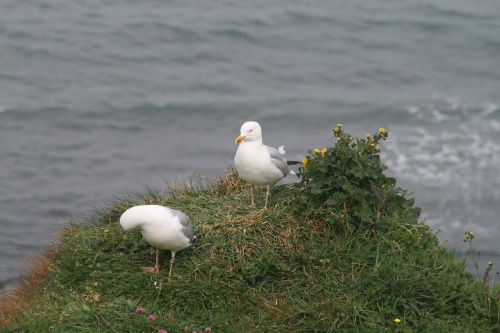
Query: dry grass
{"points": [[18, 298]]}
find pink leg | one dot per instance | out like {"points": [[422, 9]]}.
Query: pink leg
{"points": [[267, 195], [156, 267], [251, 193], [171, 266]]}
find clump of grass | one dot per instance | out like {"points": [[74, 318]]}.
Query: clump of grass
{"points": [[489, 277], [29, 286], [249, 270]]}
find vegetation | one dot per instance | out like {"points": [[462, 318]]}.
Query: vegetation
{"points": [[346, 185], [341, 251]]}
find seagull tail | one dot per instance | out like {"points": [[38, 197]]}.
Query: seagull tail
{"points": [[293, 162]]}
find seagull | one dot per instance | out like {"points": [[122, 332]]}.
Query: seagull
{"points": [[162, 227], [257, 163]]}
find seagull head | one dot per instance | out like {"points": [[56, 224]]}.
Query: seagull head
{"points": [[250, 131]]}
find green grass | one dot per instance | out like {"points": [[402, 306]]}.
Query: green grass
{"points": [[253, 270]]}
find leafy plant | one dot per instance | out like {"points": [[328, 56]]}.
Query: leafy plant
{"points": [[346, 184]]}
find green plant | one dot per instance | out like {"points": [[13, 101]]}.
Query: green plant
{"points": [[249, 271], [346, 185]]}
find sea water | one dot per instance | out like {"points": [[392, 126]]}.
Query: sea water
{"points": [[100, 98]]}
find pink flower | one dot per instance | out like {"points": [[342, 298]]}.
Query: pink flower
{"points": [[151, 317], [139, 310], [161, 330], [208, 329]]}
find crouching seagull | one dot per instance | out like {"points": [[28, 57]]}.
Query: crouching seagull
{"points": [[162, 227]]}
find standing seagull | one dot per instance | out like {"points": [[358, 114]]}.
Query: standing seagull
{"points": [[162, 227], [257, 163]]}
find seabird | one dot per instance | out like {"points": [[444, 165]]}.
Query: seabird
{"points": [[162, 227], [257, 163]]}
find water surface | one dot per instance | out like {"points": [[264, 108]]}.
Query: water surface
{"points": [[102, 98]]}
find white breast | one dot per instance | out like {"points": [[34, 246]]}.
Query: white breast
{"points": [[254, 165]]}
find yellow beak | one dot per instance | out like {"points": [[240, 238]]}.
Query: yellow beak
{"points": [[239, 138]]}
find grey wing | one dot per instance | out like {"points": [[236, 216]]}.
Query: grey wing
{"points": [[278, 160], [187, 226]]}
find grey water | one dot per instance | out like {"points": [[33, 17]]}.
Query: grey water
{"points": [[100, 98]]}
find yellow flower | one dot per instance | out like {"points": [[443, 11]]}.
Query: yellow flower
{"points": [[381, 130], [377, 148], [316, 151], [337, 129], [490, 263], [397, 320], [350, 138], [468, 235], [368, 135], [372, 145], [305, 160], [324, 151]]}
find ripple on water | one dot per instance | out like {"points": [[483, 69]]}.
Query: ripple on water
{"points": [[102, 97]]}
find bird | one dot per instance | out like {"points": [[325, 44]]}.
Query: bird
{"points": [[162, 227], [257, 163]]}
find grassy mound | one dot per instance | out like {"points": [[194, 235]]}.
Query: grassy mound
{"points": [[341, 251], [257, 271]]}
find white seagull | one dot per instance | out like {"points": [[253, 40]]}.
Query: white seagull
{"points": [[257, 163], [162, 227]]}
